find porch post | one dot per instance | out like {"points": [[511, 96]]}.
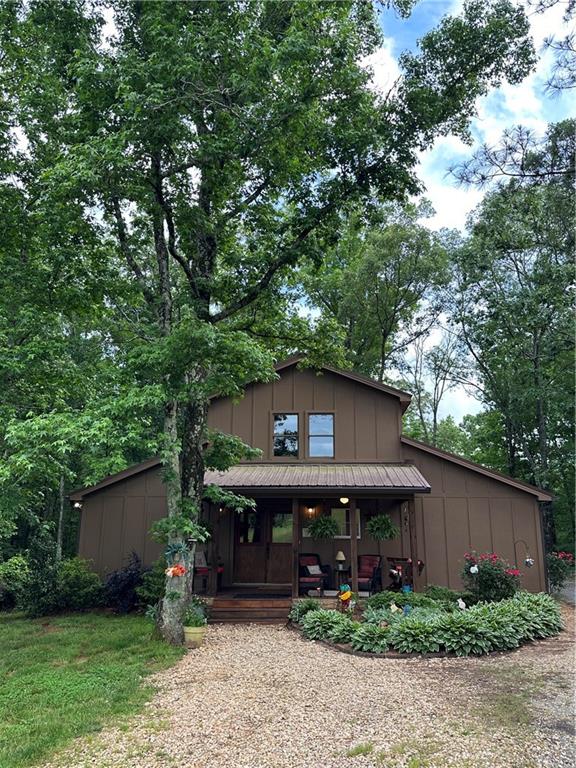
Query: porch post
{"points": [[416, 577], [295, 546], [354, 545], [213, 571]]}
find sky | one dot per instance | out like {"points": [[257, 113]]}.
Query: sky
{"points": [[525, 104]]}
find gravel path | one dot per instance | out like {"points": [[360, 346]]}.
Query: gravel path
{"points": [[262, 697]]}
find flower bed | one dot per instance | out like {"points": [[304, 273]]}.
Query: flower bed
{"points": [[433, 626]]}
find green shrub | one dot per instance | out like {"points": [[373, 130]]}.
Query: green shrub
{"points": [[343, 629], [316, 625], [560, 566], [302, 607], [451, 596], [489, 577], [14, 578], [415, 635], [120, 587], [385, 600], [151, 590], [78, 587], [40, 597], [371, 638], [464, 634]]}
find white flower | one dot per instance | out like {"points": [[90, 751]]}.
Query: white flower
{"points": [[473, 569]]}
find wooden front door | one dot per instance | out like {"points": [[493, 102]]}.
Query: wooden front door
{"points": [[263, 544]]}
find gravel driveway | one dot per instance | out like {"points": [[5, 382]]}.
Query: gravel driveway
{"points": [[262, 697]]}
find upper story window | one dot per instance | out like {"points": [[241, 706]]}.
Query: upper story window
{"points": [[286, 434], [321, 435]]}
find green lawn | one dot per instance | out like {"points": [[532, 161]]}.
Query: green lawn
{"points": [[62, 677]]}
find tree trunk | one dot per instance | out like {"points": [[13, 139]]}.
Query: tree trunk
{"points": [[60, 530]]}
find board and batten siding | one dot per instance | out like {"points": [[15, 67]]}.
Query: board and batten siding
{"points": [[468, 511], [366, 422], [116, 522]]}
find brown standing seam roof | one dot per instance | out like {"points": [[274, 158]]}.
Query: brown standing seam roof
{"points": [[401, 477], [340, 476]]}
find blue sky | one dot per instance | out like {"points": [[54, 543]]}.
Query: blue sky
{"points": [[527, 104]]}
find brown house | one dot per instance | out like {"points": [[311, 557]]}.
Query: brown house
{"points": [[331, 445]]}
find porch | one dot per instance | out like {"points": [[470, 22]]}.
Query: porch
{"points": [[264, 554]]}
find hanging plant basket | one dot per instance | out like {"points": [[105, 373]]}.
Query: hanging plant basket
{"points": [[381, 527], [323, 528]]}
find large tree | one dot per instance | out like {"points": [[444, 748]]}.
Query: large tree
{"points": [[214, 146], [513, 304]]}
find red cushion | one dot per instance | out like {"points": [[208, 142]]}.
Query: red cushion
{"points": [[204, 570], [309, 560], [311, 579]]}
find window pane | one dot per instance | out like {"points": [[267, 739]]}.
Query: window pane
{"points": [[341, 517], [281, 527], [285, 423], [322, 446], [286, 446], [321, 424], [249, 528]]}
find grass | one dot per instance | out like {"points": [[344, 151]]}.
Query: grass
{"points": [[360, 749], [64, 677]]}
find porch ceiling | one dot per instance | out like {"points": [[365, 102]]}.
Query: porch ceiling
{"points": [[404, 478]]}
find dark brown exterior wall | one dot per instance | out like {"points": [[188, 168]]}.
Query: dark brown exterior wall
{"points": [[116, 520], [468, 511], [367, 422]]}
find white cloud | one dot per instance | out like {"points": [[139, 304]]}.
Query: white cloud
{"points": [[526, 104], [385, 70]]}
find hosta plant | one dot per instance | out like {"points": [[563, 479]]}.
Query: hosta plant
{"points": [[371, 638], [302, 607], [343, 629], [316, 625]]}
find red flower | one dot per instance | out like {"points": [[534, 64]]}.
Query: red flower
{"points": [[512, 572]]}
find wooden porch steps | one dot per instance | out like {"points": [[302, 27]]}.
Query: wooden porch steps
{"points": [[239, 610]]}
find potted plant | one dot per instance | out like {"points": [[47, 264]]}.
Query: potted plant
{"points": [[323, 528], [194, 621]]}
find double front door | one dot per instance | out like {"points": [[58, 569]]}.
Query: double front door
{"points": [[263, 544]]}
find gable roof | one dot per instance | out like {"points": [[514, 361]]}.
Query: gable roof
{"points": [[491, 473], [404, 397], [117, 477]]}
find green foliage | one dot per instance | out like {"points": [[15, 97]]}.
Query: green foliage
{"points": [[78, 587], [464, 633], [178, 526], [194, 616], [14, 578], [151, 590], [41, 596], [317, 625], [381, 527], [385, 599], [371, 638], [560, 567], [323, 527], [489, 577], [446, 595], [343, 629], [302, 607], [233, 501], [70, 676], [120, 587], [415, 634]]}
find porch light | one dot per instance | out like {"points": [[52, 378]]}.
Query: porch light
{"points": [[340, 556], [344, 499], [310, 511], [77, 505]]}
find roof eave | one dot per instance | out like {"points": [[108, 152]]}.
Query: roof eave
{"points": [[540, 493]]}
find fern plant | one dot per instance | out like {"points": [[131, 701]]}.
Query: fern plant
{"points": [[381, 527], [323, 528]]}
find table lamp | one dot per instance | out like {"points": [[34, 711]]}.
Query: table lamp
{"points": [[340, 559]]}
